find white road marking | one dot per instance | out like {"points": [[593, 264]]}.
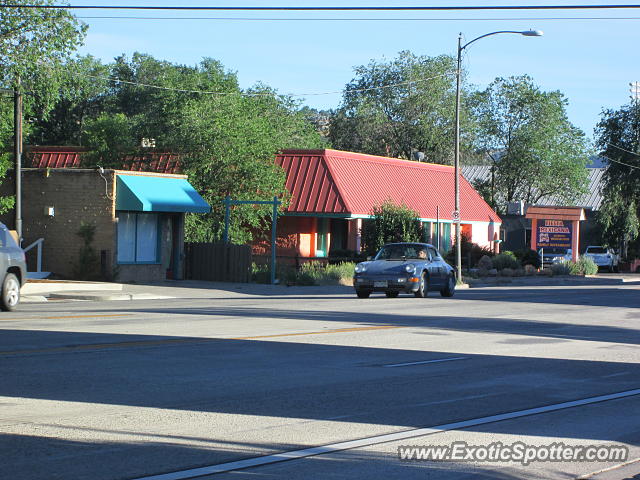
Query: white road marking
{"points": [[377, 439], [610, 469], [619, 374], [440, 360]]}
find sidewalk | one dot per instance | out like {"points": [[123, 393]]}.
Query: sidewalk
{"points": [[36, 291], [555, 281]]}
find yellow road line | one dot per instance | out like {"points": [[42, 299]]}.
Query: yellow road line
{"points": [[174, 341], [336, 330]]}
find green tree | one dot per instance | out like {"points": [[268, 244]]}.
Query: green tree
{"points": [[33, 44], [390, 223], [83, 88], [618, 138], [226, 136], [399, 107], [229, 144], [536, 152]]}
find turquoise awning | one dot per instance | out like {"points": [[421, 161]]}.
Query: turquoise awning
{"points": [[157, 194]]}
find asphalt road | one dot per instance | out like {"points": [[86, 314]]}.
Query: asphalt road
{"points": [[138, 389]]}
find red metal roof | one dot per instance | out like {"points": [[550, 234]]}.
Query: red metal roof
{"points": [[332, 181], [54, 157], [72, 157], [152, 162]]}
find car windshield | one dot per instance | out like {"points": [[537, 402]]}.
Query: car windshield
{"points": [[393, 252], [596, 250], [555, 251]]}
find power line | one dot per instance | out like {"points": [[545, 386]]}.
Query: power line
{"points": [[242, 94], [624, 150], [325, 19], [324, 9], [621, 163]]}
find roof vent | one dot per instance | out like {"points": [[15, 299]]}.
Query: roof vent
{"points": [[515, 208], [417, 156], [148, 143]]}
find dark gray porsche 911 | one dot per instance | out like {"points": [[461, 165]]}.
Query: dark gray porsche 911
{"points": [[405, 267]]}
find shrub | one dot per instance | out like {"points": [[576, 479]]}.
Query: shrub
{"points": [[562, 268], [485, 263], [311, 273], [529, 270], [88, 265], [390, 223], [584, 266], [471, 253], [528, 257], [505, 260], [507, 272]]}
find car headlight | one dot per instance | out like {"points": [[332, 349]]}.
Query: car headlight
{"points": [[410, 268], [361, 268]]}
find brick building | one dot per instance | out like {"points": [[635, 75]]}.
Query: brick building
{"points": [[139, 219]]}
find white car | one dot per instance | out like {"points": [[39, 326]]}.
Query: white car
{"points": [[603, 257]]}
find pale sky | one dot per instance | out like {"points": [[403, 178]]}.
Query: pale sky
{"points": [[589, 55]]}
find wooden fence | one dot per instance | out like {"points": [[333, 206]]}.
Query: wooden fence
{"points": [[218, 262]]}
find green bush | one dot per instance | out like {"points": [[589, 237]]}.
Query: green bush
{"points": [[262, 273], [528, 257], [311, 273], [563, 268], [469, 252], [584, 266], [390, 223], [88, 265], [316, 273], [505, 260]]}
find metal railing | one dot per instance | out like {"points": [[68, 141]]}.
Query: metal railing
{"points": [[38, 243]]}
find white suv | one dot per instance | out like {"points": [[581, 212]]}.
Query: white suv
{"points": [[603, 257]]}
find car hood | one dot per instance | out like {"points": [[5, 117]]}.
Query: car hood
{"points": [[377, 267]]}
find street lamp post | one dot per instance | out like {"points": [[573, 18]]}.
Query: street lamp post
{"points": [[461, 47]]}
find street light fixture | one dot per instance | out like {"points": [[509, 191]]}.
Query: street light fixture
{"points": [[456, 213]]}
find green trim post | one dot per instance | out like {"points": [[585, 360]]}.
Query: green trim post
{"points": [[274, 223], [274, 220], [227, 208]]}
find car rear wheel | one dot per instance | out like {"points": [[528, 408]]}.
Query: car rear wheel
{"points": [[10, 293], [450, 287], [363, 293], [391, 293], [423, 288]]}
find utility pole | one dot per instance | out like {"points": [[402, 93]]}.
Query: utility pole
{"points": [[17, 153], [635, 97]]}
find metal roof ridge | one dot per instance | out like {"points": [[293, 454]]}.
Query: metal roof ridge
{"points": [[334, 177], [138, 173], [363, 156]]}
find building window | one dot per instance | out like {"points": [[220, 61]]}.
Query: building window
{"points": [[322, 243], [137, 237]]}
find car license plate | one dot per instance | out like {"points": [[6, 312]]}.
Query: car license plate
{"points": [[380, 284]]}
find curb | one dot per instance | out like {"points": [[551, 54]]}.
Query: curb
{"points": [[102, 297], [33, 299]]}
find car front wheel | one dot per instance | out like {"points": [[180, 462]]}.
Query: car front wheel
{"points": [[363, 293], [10, 293], [450, 287], [423, 287]]}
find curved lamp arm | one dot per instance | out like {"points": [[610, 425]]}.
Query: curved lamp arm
{"points": [[526, 33]]}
